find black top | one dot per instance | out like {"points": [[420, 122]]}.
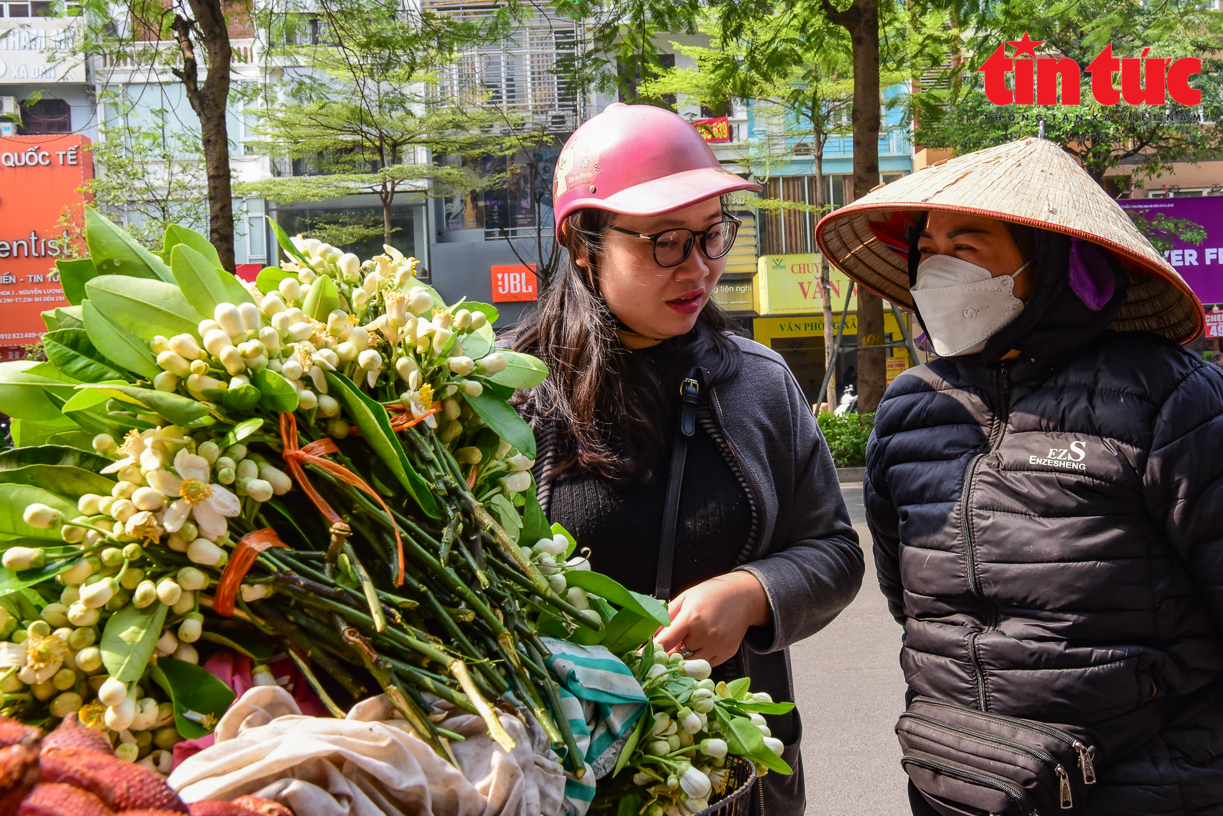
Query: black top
{"points": [[622, 525]]}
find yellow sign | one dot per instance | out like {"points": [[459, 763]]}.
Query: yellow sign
{"points": [[736, 295], [790, 284], [767, 329], [896, 366]]}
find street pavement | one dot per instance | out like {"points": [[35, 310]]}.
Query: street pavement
{"points": [[850, 690]]}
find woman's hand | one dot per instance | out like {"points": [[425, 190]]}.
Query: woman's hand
{"points": [[711, 618]]}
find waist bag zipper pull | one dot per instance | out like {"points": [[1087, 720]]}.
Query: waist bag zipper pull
{"points": [[1063, 779], [1086, 752]]}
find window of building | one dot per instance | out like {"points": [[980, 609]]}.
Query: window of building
{"points": [[630, 79], [339, 225], [28, 8], [522, 205], [45, 116]]}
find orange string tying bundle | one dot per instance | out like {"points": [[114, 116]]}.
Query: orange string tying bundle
{"points": [[314, 453], [401, 420], [244, 555]]}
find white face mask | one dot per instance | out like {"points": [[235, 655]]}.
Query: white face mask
{"points": [[962, 304]]}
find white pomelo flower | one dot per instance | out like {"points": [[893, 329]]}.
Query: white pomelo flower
{"points": [[209, 504]]}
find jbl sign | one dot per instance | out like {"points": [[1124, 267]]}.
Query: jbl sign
{"points": [[515, 282]]}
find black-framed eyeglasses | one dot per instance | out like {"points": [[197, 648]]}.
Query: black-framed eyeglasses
{"points": [[672, 247]]}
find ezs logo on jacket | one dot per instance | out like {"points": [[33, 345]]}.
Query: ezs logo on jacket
{"points": [[1068, 458], [1144, 80]]}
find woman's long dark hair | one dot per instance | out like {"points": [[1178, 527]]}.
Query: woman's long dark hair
{"points": [[608, 422]]}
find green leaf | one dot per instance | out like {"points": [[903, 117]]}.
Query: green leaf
{"points": [[22, 605], [739, 687], [145, 308], [322, 300], [129, 638], [15, 498], [522, 371], [242, 398], [608, 589], [72, 276], [118, 344], [69, 317], [191, 688], [178, 409], [176, 236], [71, 351], [25, 395], [114, 252], [507, 515], [375, 426], [479, 343], [534, 523], [283, 239], [269, 279], [761, 708], [277, 394], [69, 482], [26, 433], [573, 544], [504, 420], [240, 431], [630, 746], [627, 631], [203, 284], [52, 455], [743, 738]]}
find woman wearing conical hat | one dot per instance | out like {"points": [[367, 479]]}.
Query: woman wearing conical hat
{"points": [[1046, 497]]}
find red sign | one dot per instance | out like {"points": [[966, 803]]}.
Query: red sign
{"points": [[39, 179], [516, 282], [1145, 80], [1214, 324], [714, 130]]}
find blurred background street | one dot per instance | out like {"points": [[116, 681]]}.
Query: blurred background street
{"points": [[850, 691]]}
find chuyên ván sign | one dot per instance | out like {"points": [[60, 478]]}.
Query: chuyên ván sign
{"points": [[39, 178], [790, 284]]}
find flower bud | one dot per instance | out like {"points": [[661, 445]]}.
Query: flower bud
{"points": [[112, 557], [291, 290], [41, 517], [187, 653], [55, 614], [715, 748], [189, 578], [231, 358], [350, 267], [65, 704], [495, 363], [762, 697], [203, 552], [159, 343], [145, 594], [259, 490], [451, 431], [252, 319], [186, 602], [166, 382], [23, 558], [88, 504], [146, 498], [166, 644], [184, 346], [247, 469], [251, 350], [63, 679], [271, 304], [301, 331], [775, 745], [81, 615], [119, 717], [113, 692], [517, 482], [689, 720], [473, 388], [695, 784], [419, 301], [278, 479], [697, 669], [77, 575], [229, 319], [253, 592], [146, 714], [96, 595], [168, 592], [658, 748], [468, 456], [440, 338], [225, 476], [369, 360], [328, 407], [202, 382], [462, 320], [338, 429], [82, 638], [125, 489]]}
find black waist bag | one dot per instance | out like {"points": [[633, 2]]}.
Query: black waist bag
{"points": [[969, 763]]}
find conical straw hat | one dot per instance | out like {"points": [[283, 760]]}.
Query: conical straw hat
{"points": [[1031, 181]]}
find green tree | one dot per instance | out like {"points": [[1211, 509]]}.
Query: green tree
{"points": [[368, 114], [143, 182], [200, 55]]}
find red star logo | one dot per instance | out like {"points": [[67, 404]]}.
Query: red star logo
{"points": [[1025, 46]]}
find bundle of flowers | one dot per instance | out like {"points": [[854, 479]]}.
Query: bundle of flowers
{"points": [[323, 463]]}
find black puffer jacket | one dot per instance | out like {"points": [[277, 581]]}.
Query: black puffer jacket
{"points": [[1052, 541]]}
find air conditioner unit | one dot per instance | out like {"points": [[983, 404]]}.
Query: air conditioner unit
{"points": [[9, 107], [802, 149]]}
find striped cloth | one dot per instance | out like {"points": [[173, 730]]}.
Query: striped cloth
{"points": [[603, 701]]}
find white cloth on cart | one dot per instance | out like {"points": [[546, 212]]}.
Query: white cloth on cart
{"points": [[370, 763]]}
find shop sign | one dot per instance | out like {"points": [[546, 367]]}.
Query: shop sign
{"points": [[1214, 324], [896, 366], [36, 49], [714, 130], [1201, 266], [39, 179], [767, 329], [736, 295], [514, 283], [790, 284]]}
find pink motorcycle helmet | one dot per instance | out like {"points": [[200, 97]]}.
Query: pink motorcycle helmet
{"points": [[637, 160]]}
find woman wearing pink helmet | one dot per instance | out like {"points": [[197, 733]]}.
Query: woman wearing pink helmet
{"points": [[683, 455]]}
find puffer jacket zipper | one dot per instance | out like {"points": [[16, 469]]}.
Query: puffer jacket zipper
{"points": [[997, 432]]}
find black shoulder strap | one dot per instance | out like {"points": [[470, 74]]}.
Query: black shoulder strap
{"points": [[689, 390]]}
